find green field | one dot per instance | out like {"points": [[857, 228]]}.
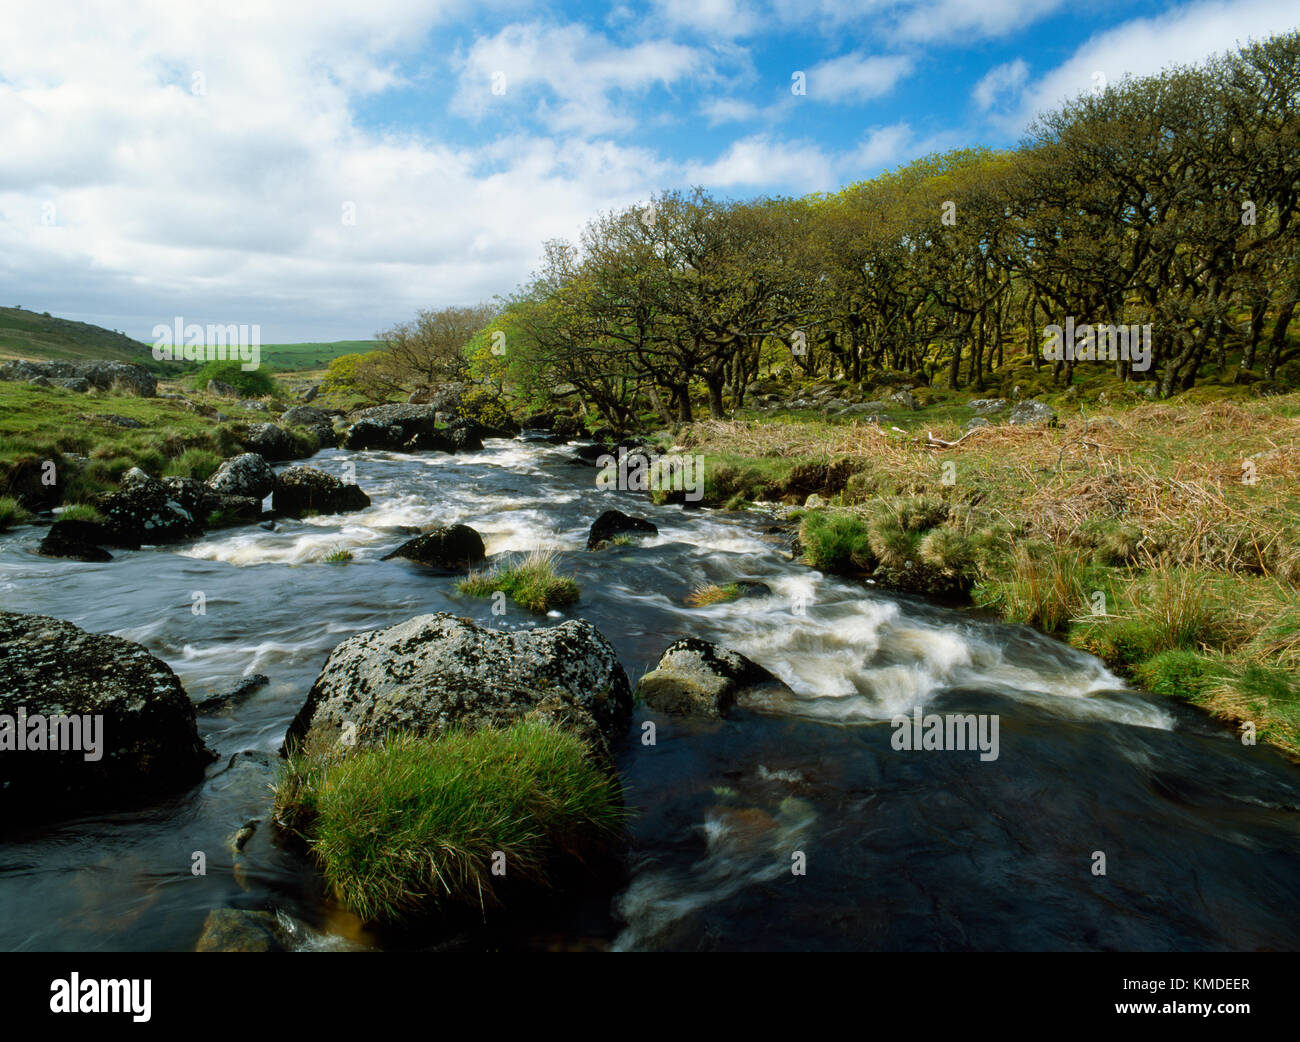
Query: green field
{"points": [[297, 357]]}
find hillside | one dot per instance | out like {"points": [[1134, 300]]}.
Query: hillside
{"points": [[298, 357], [31, 334]]}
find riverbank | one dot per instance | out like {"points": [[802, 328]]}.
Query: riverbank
{"points": [[1162, 537]]}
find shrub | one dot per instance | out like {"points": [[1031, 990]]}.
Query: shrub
{"points": [[251, 384], [414, 825]]}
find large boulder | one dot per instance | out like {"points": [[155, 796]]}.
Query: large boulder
{"points": [[430, 441], [697, 678], [615, 522], [305, 416], [124, 377], [434, 672], [114, 722], [1031, 410], [389, 426], [247, 474], [269, 441], [988, 406], [302, 490], [451, 547], [144, 510]]}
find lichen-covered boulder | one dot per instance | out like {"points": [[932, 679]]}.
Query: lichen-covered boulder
{"points": [[269, 441], [437, 671], [87, 720], [145, 511], [303, 490], [305, 416], [247, 474], [1032, 411], [449, 546], [695, 677]]}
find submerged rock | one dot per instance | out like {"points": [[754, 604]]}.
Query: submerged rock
{"points": [[450, 546], [437, 671], [241, 930], [76, 541], [302, 490], [696, 677], [615, 522], [123, 725]]}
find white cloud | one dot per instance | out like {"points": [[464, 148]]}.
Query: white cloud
{"points": [[568, 75], [762, 160], [883, 146], [856, 77], [1144, 46], [1000, 82]]}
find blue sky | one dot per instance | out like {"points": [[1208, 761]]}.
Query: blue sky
{"points": [[325, 169]]}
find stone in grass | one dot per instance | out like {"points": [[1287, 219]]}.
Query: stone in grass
{"points": [[450, 547], [1032, 411], [615, 522], [124, 728], [697, 678]]}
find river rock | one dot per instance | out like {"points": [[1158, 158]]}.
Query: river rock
{"points": [[614, 522], [697, 678], [240, 930], [247, 474], [302, 489], [1031, 410], [433, 672], [76, 541], [452, 547], [430, 441], [148, 744], [372, 434], [388, 426], [145, 511], [269, 441]]}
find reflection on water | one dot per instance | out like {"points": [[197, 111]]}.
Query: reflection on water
{"points": [[794, 825]]}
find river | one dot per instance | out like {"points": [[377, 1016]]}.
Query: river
{"points": [[895, 849]]}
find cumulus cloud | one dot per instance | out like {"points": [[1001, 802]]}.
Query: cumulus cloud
{"points": [[856, 77], [1000, 83]]}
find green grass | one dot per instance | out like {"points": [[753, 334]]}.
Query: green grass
{"points": [[193, 463], [339, 555], [532, 583], [11, 513], [415, 825], [80, 512], [705, 594]]}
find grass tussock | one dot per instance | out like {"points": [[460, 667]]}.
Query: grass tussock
{"points": [[418, 824], [533, 583], [11, 513], [706, 594]]}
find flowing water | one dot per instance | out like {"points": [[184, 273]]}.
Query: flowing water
{"points": [[897, 849]]}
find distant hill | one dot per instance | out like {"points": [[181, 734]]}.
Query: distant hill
{"points": [[41, 336], [31, 334]]}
